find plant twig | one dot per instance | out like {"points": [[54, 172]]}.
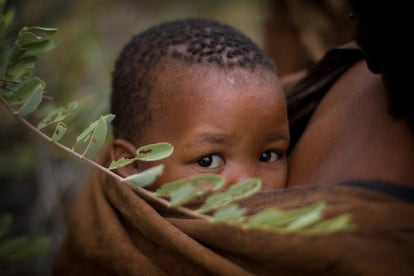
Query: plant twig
{"points": [[141, 191], [59, 145]]}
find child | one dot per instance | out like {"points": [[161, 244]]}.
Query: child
{"points": [[209, 91]]}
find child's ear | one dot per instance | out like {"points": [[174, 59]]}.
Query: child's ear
{"points": [[122, 148]]}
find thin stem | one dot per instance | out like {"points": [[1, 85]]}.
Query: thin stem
{"points": [[141, 191], [59, 145]]}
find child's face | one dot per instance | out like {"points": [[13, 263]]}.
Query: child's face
{"points": [[228, 122]]}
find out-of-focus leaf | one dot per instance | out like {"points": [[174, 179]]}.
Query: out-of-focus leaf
{"points": [[97, 137], [245, 188], [5, 221], [229, 213], [144, 178], [291, 221], [312, 215], [236, 192], [153, 152], [28, 87], [57, 115], [6, 20], [215, 201], [17, 53], [39, 46], [35, 43], [24, 62], [121, 162], [266, 218], [94, 136], [201, 183], [47, 30], [59, 132], [26, 37], [183, 195], [336, 224], [25, 246], [35, 87]]}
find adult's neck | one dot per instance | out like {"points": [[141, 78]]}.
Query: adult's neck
{"points": [[352, 136]]}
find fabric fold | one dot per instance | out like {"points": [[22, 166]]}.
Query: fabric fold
{"points": [[113, 231]]}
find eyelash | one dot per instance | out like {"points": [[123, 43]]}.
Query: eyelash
{"points": [[203, 158], [279, 155], [211, 160]]}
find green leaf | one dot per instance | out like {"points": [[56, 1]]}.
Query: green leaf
{"points": [[94, 136], [153, 152], [229, 213], [245, 188], [121, 162], [215, 201], [313, 214], [144, 178], [336, 224], [35, 43], [201, 183], [40, 46], [48, 30], [6, 20], [28, 87], [183, 195], [25, 37], [25, 246], [97, 137], [5, 221], [35, 87], [57, 115], [60, 130], [266, 219], [16, 53], [236, 192], [291, 220], [26, 62]]}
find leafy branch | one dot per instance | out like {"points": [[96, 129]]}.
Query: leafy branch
{"points": [[21, 92]]}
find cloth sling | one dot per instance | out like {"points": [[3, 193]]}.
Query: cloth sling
{"points": [[113, 231]]}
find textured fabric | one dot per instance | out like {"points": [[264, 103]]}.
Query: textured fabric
{"points": [[114, 231]]}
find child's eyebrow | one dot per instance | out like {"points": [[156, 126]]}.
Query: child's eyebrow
{"points": [[210, 138]]}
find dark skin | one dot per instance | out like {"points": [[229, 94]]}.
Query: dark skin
{"points": [[230, 122], [352, 136], [357, 131]]}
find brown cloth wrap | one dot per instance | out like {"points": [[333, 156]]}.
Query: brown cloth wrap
{"points": [[113, 231]]}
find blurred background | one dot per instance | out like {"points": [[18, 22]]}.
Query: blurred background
{"points": [[39, 182]]}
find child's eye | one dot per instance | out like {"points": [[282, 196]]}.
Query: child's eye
{"points": [[210, 161], [269, 156]]}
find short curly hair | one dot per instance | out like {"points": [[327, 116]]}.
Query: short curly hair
{"points": [[192, 41]]}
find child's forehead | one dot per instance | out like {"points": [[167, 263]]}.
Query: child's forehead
{"points": [[178, 83], [177, 71]]}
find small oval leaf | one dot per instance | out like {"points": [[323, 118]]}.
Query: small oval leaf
{"points": [[183, 195], [122, 162], [60, 130], [144, 178], [153, 152], [32, 102], [229, 213], [336, 224], [59, 114]]}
